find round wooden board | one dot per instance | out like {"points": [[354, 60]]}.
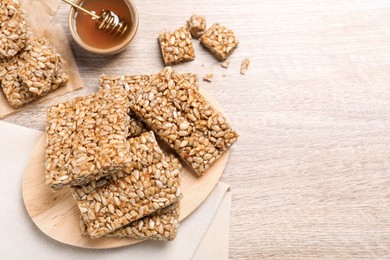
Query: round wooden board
{"points": [[57, 215]]}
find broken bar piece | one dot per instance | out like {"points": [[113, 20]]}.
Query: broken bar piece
{"points": [[196, 25], [176, 47], [220, 41]]}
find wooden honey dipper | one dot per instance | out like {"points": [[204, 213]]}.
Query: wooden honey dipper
{"points": [[107, 20]]}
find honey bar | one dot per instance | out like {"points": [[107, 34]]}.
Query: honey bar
{"points": [[196, 25], [86, 138], [36, 72], [197, 111], [14, 32], [184, 119], [113, 202], [220, 41], [161, 225], [176, 47]]}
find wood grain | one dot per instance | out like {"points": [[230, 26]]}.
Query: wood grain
{"points": [[310, 172]]}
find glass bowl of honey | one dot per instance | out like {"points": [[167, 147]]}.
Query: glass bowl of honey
{"points": [[86, 32]]}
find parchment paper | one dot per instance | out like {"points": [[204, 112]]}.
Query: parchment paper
{"points": [[40, 14]]}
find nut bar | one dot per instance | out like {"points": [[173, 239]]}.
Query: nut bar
{"points": [[14, 32], [161, 225], [113, 202], [158, 106], [36, 72], [15, 91], [176, 47], [220, 41], [196, 25], [86, 138], [42, 68], [198, 111]]}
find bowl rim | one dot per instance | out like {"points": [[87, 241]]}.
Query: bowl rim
{"points": [[107, 51]]}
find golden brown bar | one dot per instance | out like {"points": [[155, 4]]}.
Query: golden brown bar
{"points": [[86, 138], [220, 41], [176, 47], [161, 225]]}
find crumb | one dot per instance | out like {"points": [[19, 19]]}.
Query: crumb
{"points": [[244, 66], [223, 75], [225, 64], [202, 65], [208, 77]]}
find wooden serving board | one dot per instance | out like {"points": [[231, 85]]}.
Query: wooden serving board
{"points": [[57, 215]]}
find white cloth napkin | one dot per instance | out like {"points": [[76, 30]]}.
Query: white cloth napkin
{"points": [[203, 235]]}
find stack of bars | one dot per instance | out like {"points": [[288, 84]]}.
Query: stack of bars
{"points": [[171, 105], [124, 185], [29, 67], [103, 146]]}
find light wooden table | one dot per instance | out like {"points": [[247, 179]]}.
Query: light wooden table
{"points": [[310, 174]]}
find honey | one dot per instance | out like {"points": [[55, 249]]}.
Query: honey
{"points": [[87, 28]]}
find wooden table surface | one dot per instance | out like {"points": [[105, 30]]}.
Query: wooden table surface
{"points": [[310, 174]]}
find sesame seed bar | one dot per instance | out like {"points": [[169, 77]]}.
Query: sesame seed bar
{"points": [[86, 138], [183, 118], [14, 32], [113, 202], [220, 41], [176, 47], [36, 72], [161, 225], [196, 25]]}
